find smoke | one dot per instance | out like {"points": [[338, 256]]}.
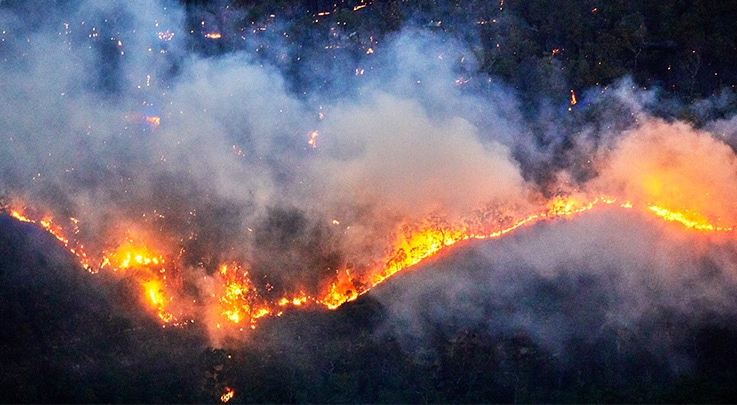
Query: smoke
{"points": [[390, 151], [673, 164], [224, 155], [573, 286], [113, 121]]}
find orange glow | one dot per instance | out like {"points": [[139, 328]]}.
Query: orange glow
{"points": [[213, 35], [573, 98]]}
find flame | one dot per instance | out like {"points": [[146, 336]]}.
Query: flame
{"points": [[149, 268], [132, 255], [313, 137], [153, 121], [242, 302], [58, 232], [687, 218], [416, 244], [154, 290], [339, 294], [138, 118], [296, 301], [227, 395], [20, 217]]}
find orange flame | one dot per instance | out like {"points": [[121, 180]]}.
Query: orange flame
{"points": [[227, 395], [240, 299], [242, 302], [57, 232], [687, 218]]}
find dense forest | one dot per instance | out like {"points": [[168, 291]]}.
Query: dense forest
{"points": [[685, 49]]}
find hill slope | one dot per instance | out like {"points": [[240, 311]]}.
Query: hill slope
{"points": [[566, 311]]}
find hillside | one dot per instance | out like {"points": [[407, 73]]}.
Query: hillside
{"points": [[489, 322]]}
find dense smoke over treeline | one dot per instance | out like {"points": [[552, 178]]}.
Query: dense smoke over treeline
{"points": [[302, 139]]}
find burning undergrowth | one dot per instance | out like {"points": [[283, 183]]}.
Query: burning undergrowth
{"points": [[224, 196]]}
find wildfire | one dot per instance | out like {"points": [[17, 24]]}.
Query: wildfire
{"points": [[242, 302]]}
